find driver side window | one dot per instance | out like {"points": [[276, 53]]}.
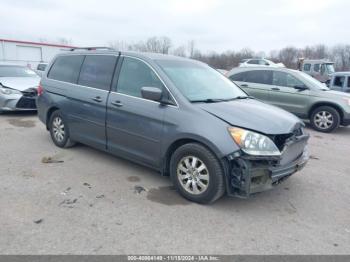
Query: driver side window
{"points": [[135, 74]]}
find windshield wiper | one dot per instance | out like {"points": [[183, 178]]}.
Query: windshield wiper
{"points": [[209, 100], [243, 97], [216, 100]]}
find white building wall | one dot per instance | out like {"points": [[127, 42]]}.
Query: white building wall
{"points": [[27, 54]]}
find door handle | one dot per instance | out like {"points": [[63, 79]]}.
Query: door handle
{"points": [[97, 99], [117, 103], [275, 88], [244, 85]]}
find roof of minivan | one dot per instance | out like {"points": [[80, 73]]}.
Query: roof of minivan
{"points": [[144, 55]]}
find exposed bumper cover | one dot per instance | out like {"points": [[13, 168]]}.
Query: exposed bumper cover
{"points": [[249, 175]]}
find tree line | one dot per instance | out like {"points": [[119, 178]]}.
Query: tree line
{"points": [[339, 54]]}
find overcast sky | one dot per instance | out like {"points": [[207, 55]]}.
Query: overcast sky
{"points": [[214, 25]]}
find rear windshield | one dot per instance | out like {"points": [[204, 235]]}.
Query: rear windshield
{"points": [[16, 71], [197, 81]]}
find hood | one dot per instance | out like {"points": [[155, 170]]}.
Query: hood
{"points": [[335, 94], [20, 83], [254, 115]]}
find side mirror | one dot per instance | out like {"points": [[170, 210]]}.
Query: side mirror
{"points": [[300, 88], [151, 93]]}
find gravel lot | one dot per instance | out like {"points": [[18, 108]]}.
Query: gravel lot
{"points": [[87, 204]]}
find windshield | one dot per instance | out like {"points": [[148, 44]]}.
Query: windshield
{"points": [[199, 82], [315, 84], [330, 68], [16, 71]]}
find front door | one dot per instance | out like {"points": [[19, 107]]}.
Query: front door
{"points": [[285, 94], [135, 124]]}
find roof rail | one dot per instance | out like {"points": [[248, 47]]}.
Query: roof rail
{"points": [[92, 48]]}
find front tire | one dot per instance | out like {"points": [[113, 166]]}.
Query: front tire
{"points": [[59, 130], [325, 119], [197, 174]]}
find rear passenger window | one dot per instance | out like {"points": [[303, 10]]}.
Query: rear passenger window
{"points": [[259, 77], [135, 74], [316, 67], [97, 71], [66, 68], [307, 67], [238, 77]]}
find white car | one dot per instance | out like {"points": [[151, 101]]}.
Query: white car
{"points": [[259, 62], [18, 88]]}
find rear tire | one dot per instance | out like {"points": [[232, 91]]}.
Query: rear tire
{"points": [[59, 130], [325, 119], [197, 174]]}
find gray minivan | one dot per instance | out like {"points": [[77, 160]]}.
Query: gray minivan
{"points": [[175, 115]]}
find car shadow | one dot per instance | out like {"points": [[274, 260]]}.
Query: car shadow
{"points": [[18, 113]]}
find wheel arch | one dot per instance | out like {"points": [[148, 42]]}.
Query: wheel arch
{"points": [[180, 142], [330, 104], [48, 115]]}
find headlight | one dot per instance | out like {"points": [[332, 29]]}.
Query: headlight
{"points": [[254, 143], [8, 91]]}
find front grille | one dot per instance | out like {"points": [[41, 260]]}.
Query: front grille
{"points": [[280, 140], [30, 92], [26, 103]]}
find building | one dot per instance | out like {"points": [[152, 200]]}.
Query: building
{"points": [[28, 53]]}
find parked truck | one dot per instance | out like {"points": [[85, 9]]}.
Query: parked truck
{"points": [[321, 69]]}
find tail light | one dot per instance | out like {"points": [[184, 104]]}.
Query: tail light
{"points": [[40, 90]]}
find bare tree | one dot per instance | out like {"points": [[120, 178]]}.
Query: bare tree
{"points": [[289, 56], [191, 48], [179, 51], [340, 54], [165, 44], [119, 45]]}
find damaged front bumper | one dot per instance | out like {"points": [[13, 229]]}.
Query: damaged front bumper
{"points": [[22, 101], [249, 175]]}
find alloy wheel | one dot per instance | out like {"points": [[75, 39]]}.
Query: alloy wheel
{"points": [[193, 175], [58, 129], [323, 119]]}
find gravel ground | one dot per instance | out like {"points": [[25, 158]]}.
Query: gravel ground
{"points": [[86, 203]]}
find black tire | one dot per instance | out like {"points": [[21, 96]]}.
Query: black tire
{"points": [[66, 141], [215, 186], [329, 111]]}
